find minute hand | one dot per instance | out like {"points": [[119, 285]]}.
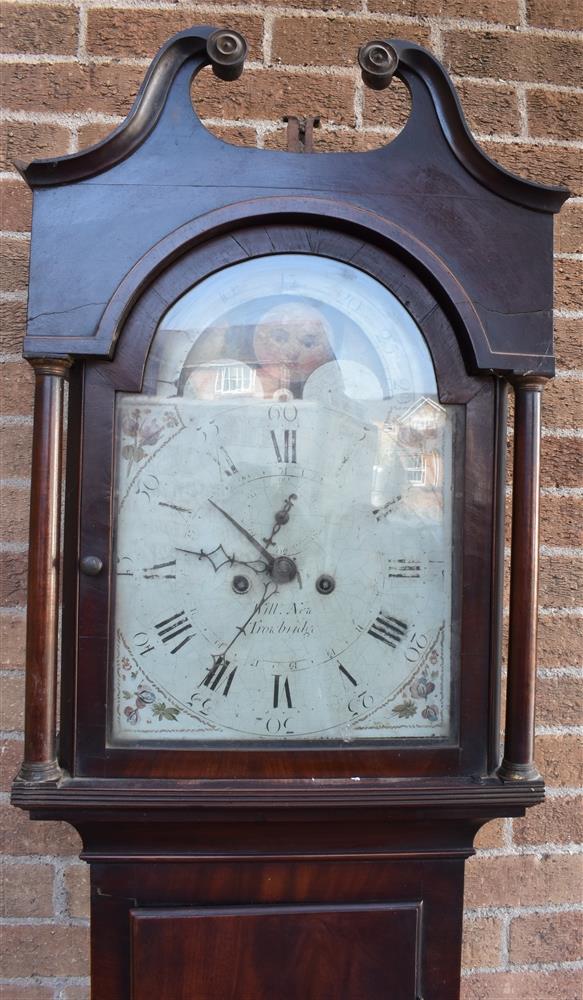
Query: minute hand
{"points": [[260, 548]]}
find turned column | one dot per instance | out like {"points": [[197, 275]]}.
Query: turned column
{"points": [[40, 749], [518, 761]]}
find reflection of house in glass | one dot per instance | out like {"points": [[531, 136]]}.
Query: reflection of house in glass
{"points": [[229, 379], [420, 434], [234, 380], [411, 459], [268, 353], [222, 379]]}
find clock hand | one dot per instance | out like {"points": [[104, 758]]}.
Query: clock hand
{"points": [[281, 517], [282, 569], [220, 662], [260, 548], [257, 565], [269, 591]]}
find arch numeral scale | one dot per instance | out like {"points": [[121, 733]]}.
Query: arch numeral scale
{"points": [[259, 843]]}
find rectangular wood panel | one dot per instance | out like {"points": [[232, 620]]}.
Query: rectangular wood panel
{"points": [[283, 952]]}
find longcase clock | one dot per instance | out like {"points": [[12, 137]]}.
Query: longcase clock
{"points": [[282, 553]]}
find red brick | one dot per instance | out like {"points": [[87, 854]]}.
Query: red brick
{"points": [[10, 761], [562, 462], [15, 445], [31, 140], [554, 114], [481, 943], [343, 5], [558, 820], [140, 33], [559, 641], [559, 701], [12, 632], [20, 835], [13, 265], [77, 993], [568, 286], [569, 232], [70, 87], [333, 41], [12, 327], [27, 891], [45, 950], [17, 388], [269, 95], [26, 27], [568, 14], [490, 835], [561, 520], [503, 11], [545, 164], [568, 341], [94, 132], [25, 992], [235, 135], [509, 56], [561, 581], [490, 108], [389, 109], [551, 937], [523, 880], [560, 985], [13, 567], [330, 139], [14, 503], [11, 701], [16, 202], [560, 760], [77, 890]]}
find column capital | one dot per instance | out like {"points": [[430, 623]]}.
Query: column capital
{"points": [[52, 366]]}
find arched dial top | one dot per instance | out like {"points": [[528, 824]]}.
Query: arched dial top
{"points": [[283, 518]]}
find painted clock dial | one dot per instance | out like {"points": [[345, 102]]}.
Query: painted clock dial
{"points": [[283, 518]]}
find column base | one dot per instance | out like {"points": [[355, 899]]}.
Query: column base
{"points": [[40, 773], [508, 771]]}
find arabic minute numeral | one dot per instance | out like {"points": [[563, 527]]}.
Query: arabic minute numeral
{"points": [[147, 485], [273, 726], [415, 649], [288, 414], [125, 566], [362, 702], [387, 629], [143, 643], [171, 628]]}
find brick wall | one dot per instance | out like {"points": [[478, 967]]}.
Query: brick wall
{"points": [[71, 70]]}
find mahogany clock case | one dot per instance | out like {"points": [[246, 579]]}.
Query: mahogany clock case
{"points": [[120, 232], [215, 870], [85, 752]]}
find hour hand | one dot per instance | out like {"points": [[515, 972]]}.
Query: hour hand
{"points": [[260, 548], [219, 557]]}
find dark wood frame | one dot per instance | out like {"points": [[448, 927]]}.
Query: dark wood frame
{"points": [[467, 248], [255, 759]]}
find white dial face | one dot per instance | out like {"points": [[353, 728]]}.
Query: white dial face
{"points": [[283, 513]]}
